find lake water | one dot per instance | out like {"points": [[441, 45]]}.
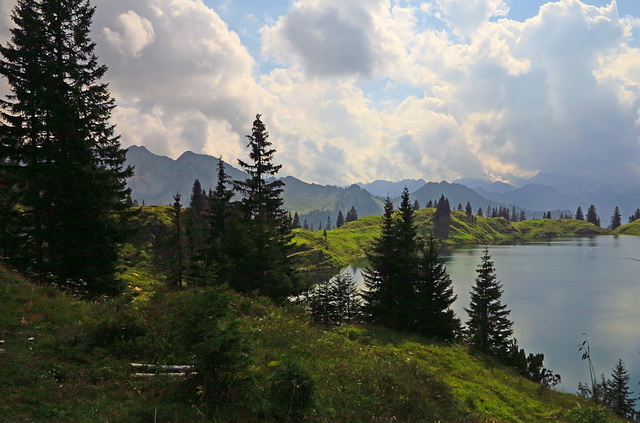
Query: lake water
{"points": [[559, 290]]}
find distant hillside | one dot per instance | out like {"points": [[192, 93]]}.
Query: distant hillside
{"points": [[317, 203], [535, 197], [390, 189], [158, 178], [455, 193]]}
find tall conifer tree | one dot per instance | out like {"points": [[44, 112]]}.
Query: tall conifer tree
{"points": [[57, 135], [380, 298], [489, 326], [266, 268], [616, 219], [434, 296]]}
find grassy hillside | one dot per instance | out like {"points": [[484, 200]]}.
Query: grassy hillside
{"points": [[65, 360], [632, 228], [351, 241]]}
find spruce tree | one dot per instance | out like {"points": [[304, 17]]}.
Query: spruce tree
{"points": [[219, 216], [352, 215], [57, 137], [433, 296], [381, 302], [617, 393], [579, 214], [488, 325], [635, 216], [266, 267], [616, 219], [177, 268], [468, 210], [442, 218], [340, 219], [295, 223], [592, 216], [198, 202]]}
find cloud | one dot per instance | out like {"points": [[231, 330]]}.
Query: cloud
{"points": [[369, 89], [135, 33], [465, 17], [182, 79]]}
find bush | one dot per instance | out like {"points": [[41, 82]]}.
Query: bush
{"points": [[292, 392], [206, 329], [590, 414]]}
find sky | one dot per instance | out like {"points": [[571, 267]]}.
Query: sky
{"points": [[359, 90]]}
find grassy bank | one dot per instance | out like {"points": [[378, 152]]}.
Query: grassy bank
{"points": [[343, 245], [65, 359]]}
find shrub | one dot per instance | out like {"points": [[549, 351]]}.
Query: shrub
{"points": [[292, 392]]}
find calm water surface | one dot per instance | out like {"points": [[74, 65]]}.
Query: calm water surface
{"points": [[559, 290]]}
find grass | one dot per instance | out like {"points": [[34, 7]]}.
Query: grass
{"points": [[632, 228], [65, 359]]}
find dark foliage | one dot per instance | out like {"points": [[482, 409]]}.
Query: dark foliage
{"points": [[488, 325], [264, 266], [352, 215], [592, 216], [57, 139], [616, 219]]}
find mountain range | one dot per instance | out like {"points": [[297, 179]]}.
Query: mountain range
{"points": [[158, 178]]}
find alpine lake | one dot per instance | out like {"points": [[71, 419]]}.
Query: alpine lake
{"points": [[560, 292]]}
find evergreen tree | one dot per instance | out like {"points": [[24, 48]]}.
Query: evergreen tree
{"points": [[514, 214], [381, 302], [468, 210], [522, 217], [635, 216], [488, 325], [434, 295], [352, 215], [295, 224], [617, 394], [480, 212], [579, 214], [328, 227], [592, 216], [340, 219], [416, 205], [266, 267], [616, 219], [58, 140], [430, 204], [176, 275], [442, 218], [336, 301], [219, 214], [198, 201]]}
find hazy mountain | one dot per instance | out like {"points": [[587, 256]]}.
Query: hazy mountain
{"points": [[157, 178], [317, 203], [390, 189], [455, 193], [535, 197], [483, 185]]}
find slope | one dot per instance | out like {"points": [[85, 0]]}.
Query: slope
{"points": [[67, 360]]}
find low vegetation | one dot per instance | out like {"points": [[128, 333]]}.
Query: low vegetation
{"points": [[66, 359]]}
